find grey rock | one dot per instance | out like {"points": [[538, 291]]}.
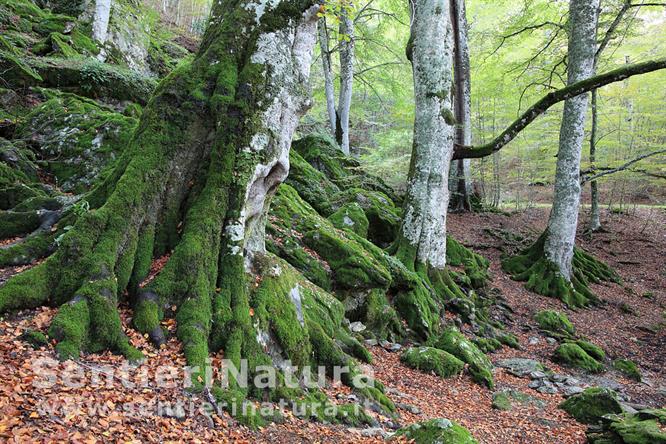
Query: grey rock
{"points": [[357, 327], [371, 342], [395, 347], [572, 390], [558, 378], [373, 432], [536, 383], [549, 390], [520, 366], [408, 407], [533, 340], [626, 408], [551, 341], [537, 375], [572, 381]]}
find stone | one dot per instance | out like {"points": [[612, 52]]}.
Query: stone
{"points": [[572, 390], [371, 342], [520, 366], [374, 432], [551, 341], [592, 405], [437, 431], [357, 327], [547, 389], [537, 375], [533, 340]]}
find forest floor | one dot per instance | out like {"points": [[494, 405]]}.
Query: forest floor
{"points": [[630, 324]]}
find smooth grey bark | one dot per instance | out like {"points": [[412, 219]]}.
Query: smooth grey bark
{"points": [[431, 53], [101, 16], [595, 218], [346, 78], [460, 176], [329, 89], [561, 236]]}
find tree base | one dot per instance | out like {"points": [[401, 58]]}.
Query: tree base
{"points": [[543, 276]]}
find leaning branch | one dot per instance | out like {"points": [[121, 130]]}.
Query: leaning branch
{"points": [[550, 99], [622, 167]]}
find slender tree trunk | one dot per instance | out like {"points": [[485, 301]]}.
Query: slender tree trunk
{"points": [[460, 178], [346, 78], [595, 219], [422, 238], [328, 75], [561, 237], [100, 24]]}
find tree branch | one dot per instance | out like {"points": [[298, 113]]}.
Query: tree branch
{"points": [[621, 167], [550, 99]]}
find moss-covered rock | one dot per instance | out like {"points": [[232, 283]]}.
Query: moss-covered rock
{"points": [[590, 406], [573, 355], [350, 217], [76, 139], [437, 431], [628, 368], [488, 345], [501, 401], [35, 338], [591, 349], [428, 359], [452, 341], [555, 323], [644, 427]]}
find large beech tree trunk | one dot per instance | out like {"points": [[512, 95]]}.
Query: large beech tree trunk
{"points": [[422, 237], [196, 181], [561, 237], [460, 177]]}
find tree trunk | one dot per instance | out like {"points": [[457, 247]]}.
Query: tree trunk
{"points": [[563, 220], [422, 238], [346, 78], [595, 219], [196, 181], [460, 178], [100, 24], [328, 76], [553, 266]]}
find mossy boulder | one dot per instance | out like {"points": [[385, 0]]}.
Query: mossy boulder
{"points": [[428, 359], [437, 431], [628, 368], [350, 217], [590, 406], [574, 355], [35, 338], [644, 427], [76, 139], [555, 323], [453, 341], [593, 350]]}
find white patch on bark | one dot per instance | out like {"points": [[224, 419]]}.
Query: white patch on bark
{"points": [[583, 16], [287, 56], [100, 23], [424, 224], [260, 7]]}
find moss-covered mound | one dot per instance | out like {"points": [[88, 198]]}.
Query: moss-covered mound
{"points": [[543, 276], [437, 431], [590, 406], [452, 341], [428, 359], [573, 355], [644, 427], [75, 139], [628, 368], [555, 323]]}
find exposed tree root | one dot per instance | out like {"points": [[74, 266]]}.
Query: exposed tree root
{"points": [[543, 276]]}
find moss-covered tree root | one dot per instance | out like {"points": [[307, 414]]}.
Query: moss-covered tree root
{"points": [[543, 276]]}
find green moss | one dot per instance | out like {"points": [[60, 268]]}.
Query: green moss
{"points": [[590, 406], [70, 329], [429, 359], [593, 350], [501, 401], [543, 276], [628, 368], [35, 338], [488, 345], [350, 217], [555, 323], [510, 340], [436, 431], [17, 223], [452, 341], [29, 289], [644, 427], [573, 355], [376, 312]]}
